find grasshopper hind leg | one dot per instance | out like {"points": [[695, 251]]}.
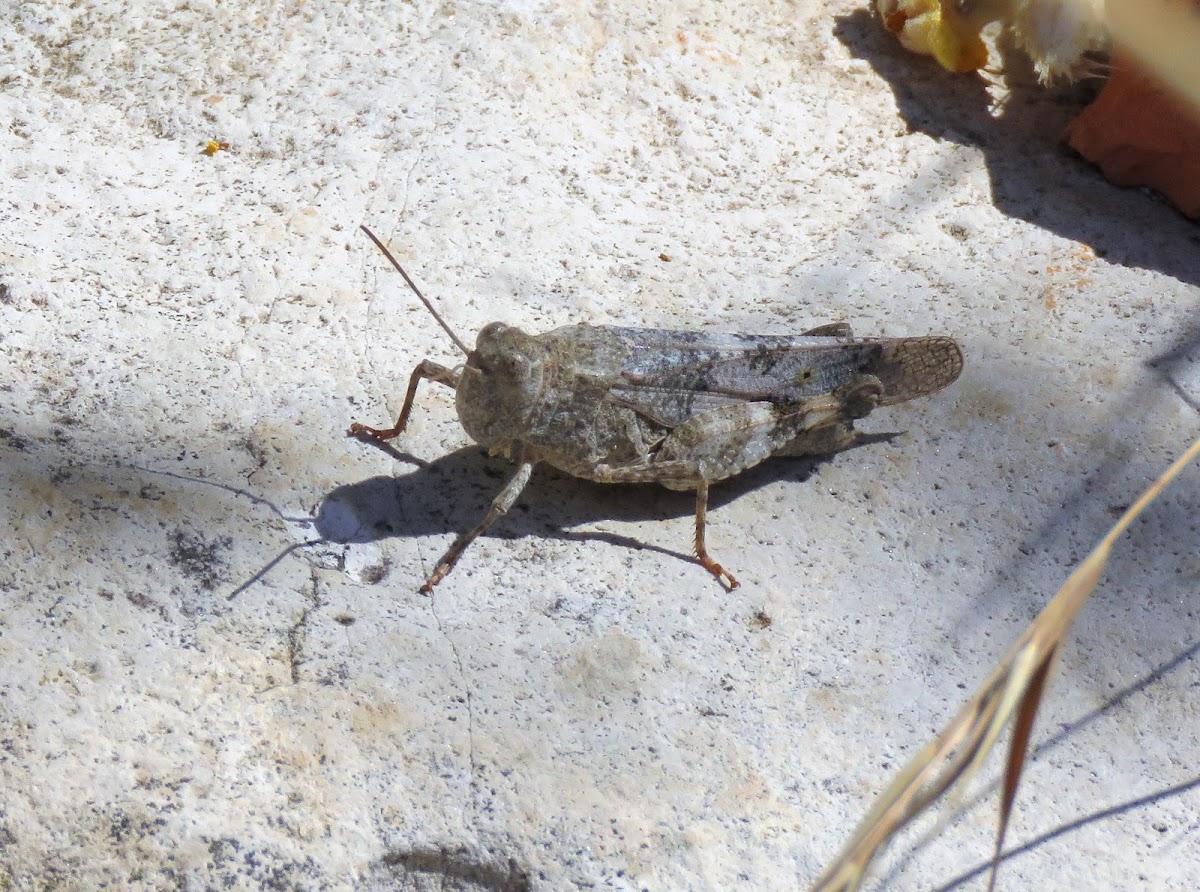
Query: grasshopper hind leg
{"points": [[702, 554], [677, 475]]}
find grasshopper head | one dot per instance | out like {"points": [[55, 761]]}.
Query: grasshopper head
{"points": [[500, 385]]}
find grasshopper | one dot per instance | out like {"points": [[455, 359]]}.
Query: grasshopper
{"points": [[684, 409]]}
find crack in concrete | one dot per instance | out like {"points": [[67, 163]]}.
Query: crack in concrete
{"points": [[408, 183], [473, 782], [297, 633], [295, 644]]}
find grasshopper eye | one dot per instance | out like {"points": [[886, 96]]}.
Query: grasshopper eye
{"points": [[513, 364], [504, 365]]}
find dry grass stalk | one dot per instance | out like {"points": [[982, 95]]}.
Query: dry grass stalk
{"points": [[1015, 688]]}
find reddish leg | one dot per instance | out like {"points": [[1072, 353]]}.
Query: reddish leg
{"points": [[701, 552], [427, 369]]}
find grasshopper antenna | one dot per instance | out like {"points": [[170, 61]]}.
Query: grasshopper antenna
{"points": [[416, 290]]}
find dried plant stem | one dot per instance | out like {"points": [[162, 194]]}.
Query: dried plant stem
{"points": [[1014, 688]]}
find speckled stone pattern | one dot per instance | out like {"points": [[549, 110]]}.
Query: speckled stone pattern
{"points": [[215, 670]]}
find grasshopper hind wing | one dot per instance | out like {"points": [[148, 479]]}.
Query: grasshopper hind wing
{"points": [[913, 367], [675, 376]]}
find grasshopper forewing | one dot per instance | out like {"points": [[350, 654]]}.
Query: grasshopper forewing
{"points": [[683, 409]]}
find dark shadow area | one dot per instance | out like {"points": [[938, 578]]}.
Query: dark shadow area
{"points": [[448, 495], [452, 494], [1180, 367], [1071, 826], [1034, 176], [990, 795], [454, 870]]}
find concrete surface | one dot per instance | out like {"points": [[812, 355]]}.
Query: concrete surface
{"points": [[185, 338]]}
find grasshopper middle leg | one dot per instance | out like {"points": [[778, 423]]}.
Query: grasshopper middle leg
{"points": [[428, 369]]}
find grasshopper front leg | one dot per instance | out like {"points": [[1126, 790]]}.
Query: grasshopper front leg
{"points": [[498, 509], [427, 369]]}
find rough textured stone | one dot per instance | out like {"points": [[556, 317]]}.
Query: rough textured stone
{"points": [[192, 696]]}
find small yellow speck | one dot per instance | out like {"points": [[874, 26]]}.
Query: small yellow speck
{"points": [[212, 146]]}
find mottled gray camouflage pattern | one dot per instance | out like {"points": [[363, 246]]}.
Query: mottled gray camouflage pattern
{"points": [[677, 407], [682, 409]]}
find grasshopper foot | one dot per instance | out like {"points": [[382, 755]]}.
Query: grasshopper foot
{"points": [[444, 566], [373, 433], [439, 573], [718, 571], [701, 552]]}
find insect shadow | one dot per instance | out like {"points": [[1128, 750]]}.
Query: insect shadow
{"points": [[452, 869], [446, 496]]}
